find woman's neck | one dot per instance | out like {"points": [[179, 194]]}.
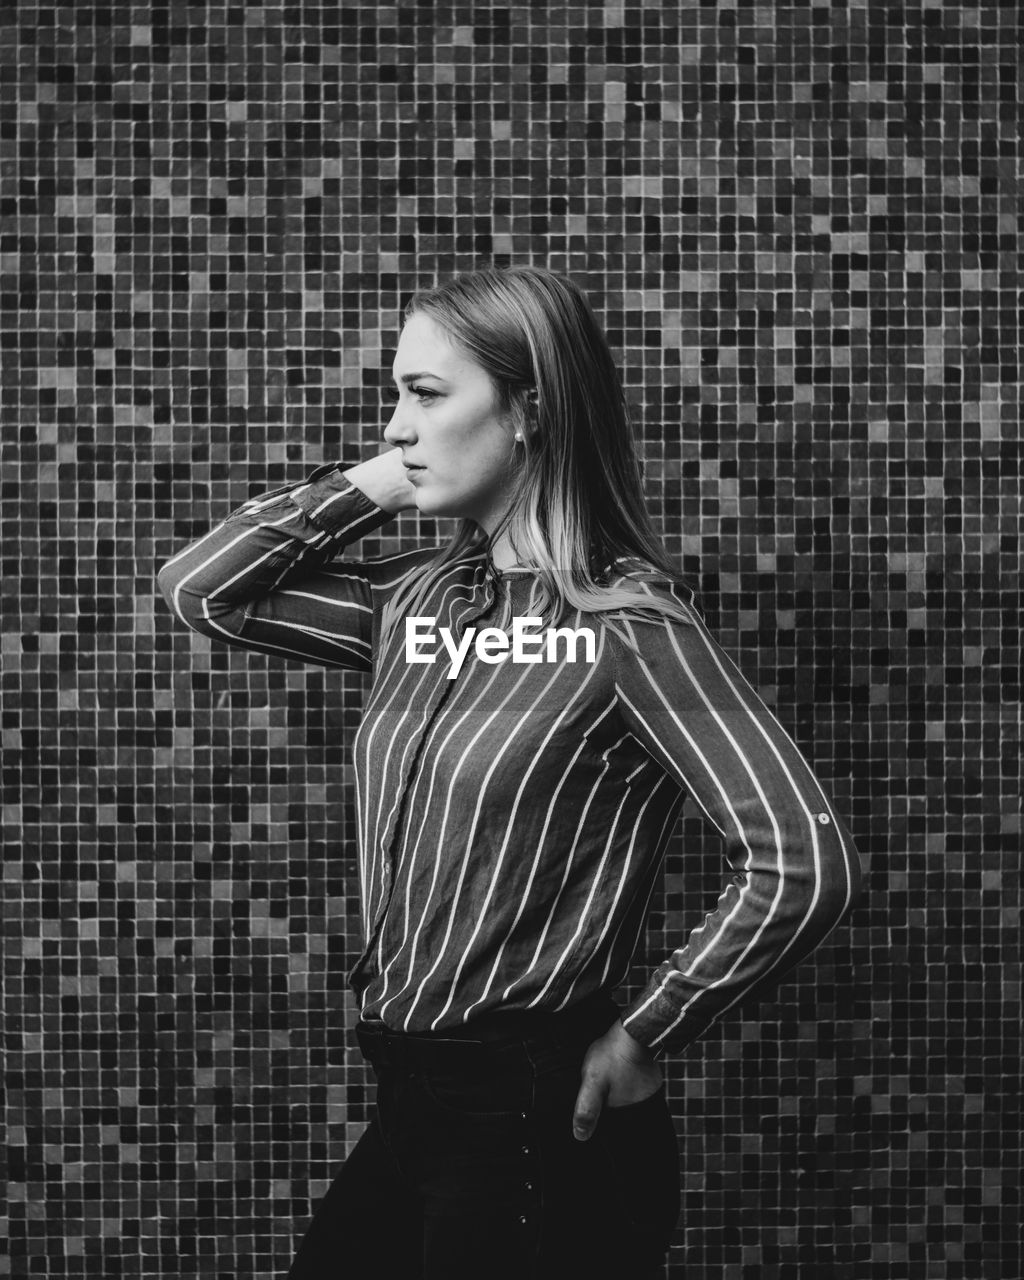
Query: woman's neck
{"points": [[503, 555]]}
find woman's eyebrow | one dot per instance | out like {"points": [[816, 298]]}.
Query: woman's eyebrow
{"points": [[411, 377]]}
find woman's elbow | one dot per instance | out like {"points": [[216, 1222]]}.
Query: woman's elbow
{"points": [[190, 606], [840, 881], [167, 579]]}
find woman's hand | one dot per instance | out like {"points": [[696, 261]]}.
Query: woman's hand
{"points": [[617, 1070], [384, 481]]}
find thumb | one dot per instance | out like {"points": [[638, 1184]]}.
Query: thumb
{"points": [[589, 1104]]}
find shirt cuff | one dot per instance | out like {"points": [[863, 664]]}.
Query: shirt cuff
{"points": [[336, 506], [651, 1014]]}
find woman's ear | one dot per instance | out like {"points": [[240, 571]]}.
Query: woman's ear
{"points": [[530, 412], [522, 414]]}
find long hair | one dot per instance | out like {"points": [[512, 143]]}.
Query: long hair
{"points": [[576, 501]]}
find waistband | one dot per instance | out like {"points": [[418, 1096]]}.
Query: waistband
{"points": [[487, 1038]]}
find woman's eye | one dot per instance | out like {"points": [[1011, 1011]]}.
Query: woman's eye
{"points": [[392, 393]]}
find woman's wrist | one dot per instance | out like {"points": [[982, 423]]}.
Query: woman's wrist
{"points": [[384, 481]]}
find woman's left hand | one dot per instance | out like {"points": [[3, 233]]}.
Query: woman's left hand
{"points": [[617, 1071]]}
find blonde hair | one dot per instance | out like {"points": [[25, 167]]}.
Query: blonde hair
{"points": [[577, 501]]}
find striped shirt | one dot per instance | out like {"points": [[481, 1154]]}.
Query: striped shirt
{"points": [[512, 819]]}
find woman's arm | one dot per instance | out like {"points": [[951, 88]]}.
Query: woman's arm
{"points": [[260, 579], [384, 481], [793, 868]]}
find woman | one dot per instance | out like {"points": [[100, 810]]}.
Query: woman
{"points": [[515, 793]]}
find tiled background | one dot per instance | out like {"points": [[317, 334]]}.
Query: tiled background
{"points": [[802, 226]]}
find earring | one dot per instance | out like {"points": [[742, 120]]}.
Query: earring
{"points": [[519, 437]]}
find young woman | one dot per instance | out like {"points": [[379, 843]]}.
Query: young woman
{"points": [[545, 695]]}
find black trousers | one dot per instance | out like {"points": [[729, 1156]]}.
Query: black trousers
{"points": [[469, 1168]]}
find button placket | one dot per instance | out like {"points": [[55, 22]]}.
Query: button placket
{"points": [[389, 878], [439, 695]]}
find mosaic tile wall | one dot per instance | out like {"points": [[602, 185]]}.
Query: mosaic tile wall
{"points": [[801, 224]]}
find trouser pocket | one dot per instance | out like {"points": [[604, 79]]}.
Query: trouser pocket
{"points": [[640, 1147]]}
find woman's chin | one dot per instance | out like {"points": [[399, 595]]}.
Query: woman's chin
{"points": [[437, 507]]}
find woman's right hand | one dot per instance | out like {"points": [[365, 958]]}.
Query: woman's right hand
{"points": [[385, 481]]}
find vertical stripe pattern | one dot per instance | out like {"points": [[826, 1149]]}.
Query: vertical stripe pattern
{"points": [[512, 820]]}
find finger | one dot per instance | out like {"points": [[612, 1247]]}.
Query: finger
{"points": [[589, 1102]]}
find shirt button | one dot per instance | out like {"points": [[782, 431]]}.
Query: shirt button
{"points": [[823, 818]]}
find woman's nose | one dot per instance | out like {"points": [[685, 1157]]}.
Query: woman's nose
{"points": [[397, 432]]}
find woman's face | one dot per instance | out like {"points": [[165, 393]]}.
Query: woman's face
{"points": [[447, 422]]}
